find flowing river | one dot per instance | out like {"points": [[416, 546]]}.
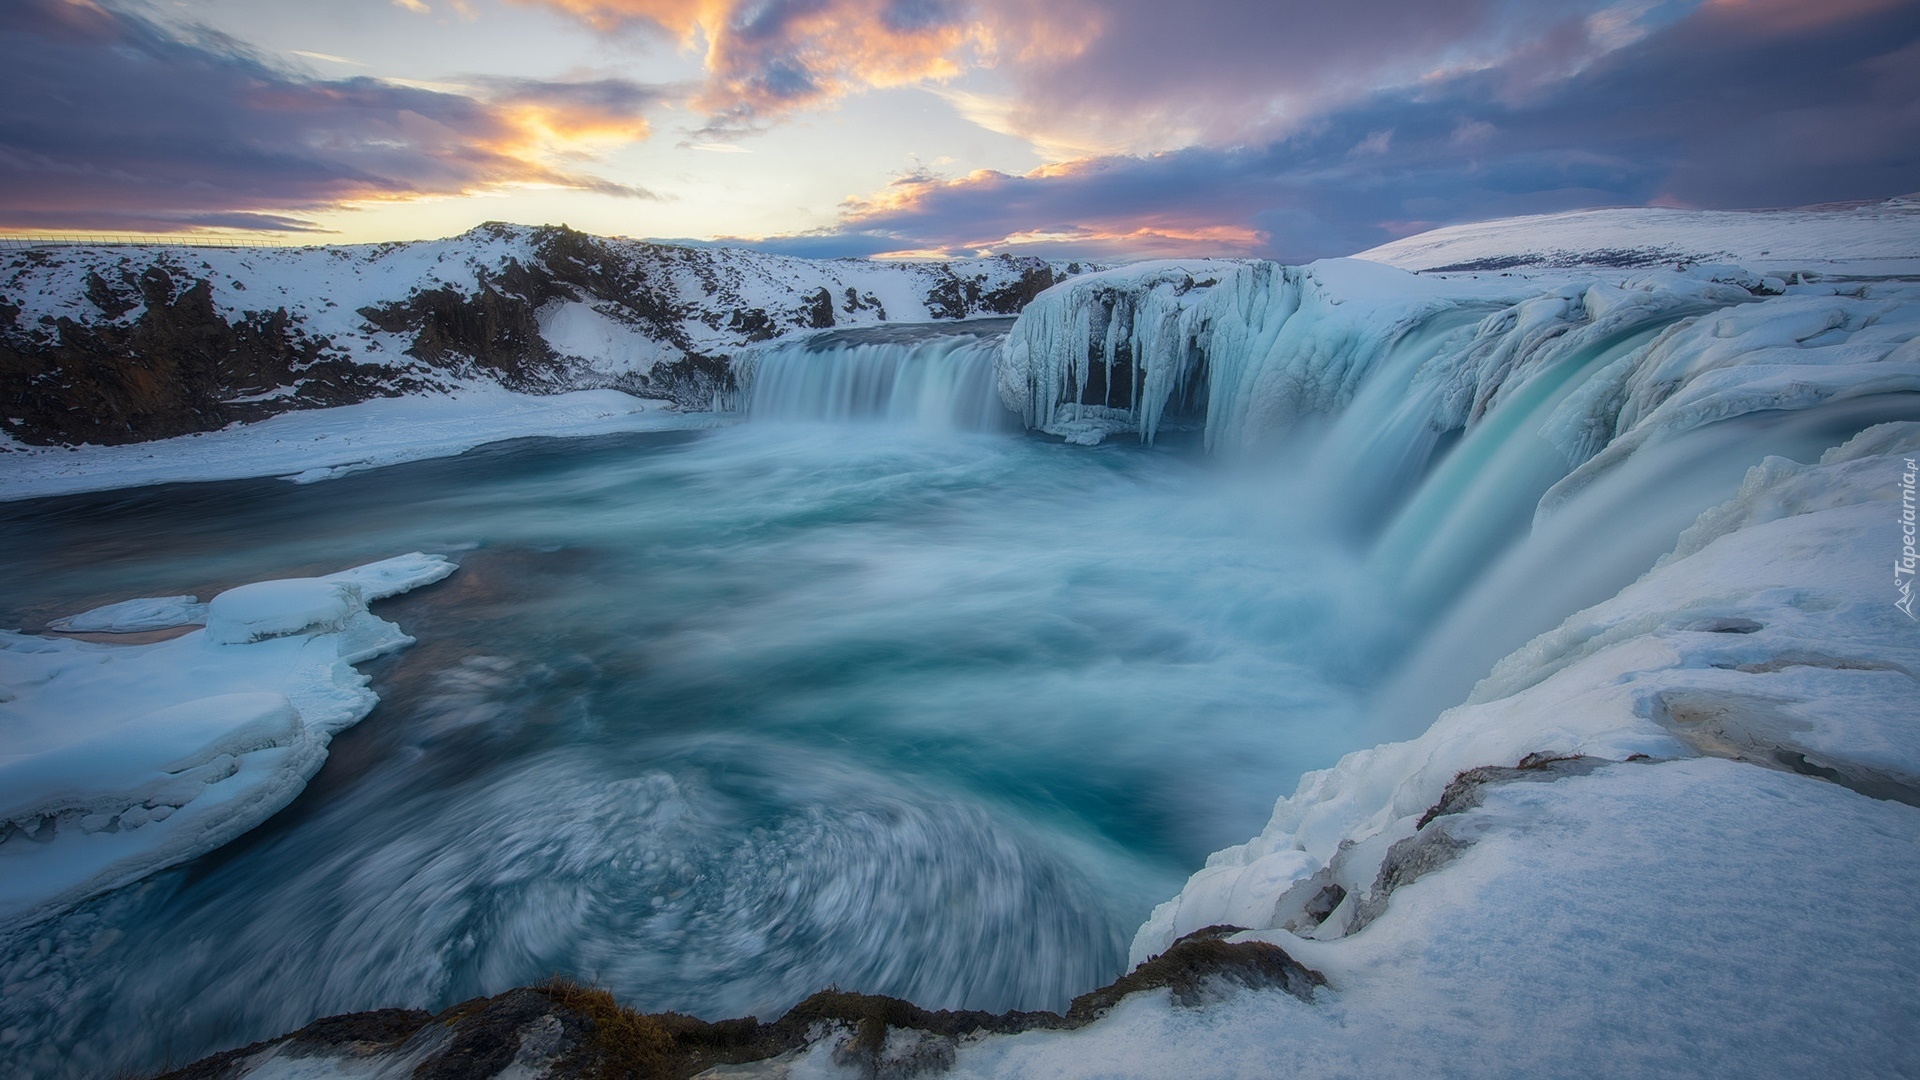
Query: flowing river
{"points": [[854, 693]]}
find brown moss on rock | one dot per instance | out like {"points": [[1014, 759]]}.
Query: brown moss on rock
{"points": [[565, 1030]]}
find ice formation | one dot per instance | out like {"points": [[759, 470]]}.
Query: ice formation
{"points": [[133, 616], [119, 760], [1247, 351], [1548, 384]]}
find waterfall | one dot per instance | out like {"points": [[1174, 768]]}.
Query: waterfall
{"points": [[1500, 450], [932, 376]]}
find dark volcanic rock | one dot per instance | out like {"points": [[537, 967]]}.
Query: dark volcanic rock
{"points": [[176, 368], [129, 344], [496, 330]]}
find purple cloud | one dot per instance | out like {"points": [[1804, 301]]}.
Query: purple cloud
{"points": [[1720, 109], [112, 122]]}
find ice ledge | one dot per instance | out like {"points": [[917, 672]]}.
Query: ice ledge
{"points": [[120, 760]]}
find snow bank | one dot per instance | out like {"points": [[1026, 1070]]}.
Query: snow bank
{"points": [[1877, 238], [1770, 637], [319, 444], [119, 760], [1683, 918], [609, 347]]}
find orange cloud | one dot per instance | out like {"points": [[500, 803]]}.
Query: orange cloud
{"points": [[1124, 231], [768, 58], [542, 119], [124, 124]]}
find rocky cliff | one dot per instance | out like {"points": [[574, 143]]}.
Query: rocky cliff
{"points": [[116, 345]]}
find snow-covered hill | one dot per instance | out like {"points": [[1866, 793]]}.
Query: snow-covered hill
{"points": [[1866, 238], [116, 345]]}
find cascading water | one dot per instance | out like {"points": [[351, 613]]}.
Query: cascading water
{"points": [[1502, 459], [936, 376]]}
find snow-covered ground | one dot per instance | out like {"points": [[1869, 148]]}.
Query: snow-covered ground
{"points": [[699, 292], [317, 444], [134, 344], [119, 760], [1867, 239]]}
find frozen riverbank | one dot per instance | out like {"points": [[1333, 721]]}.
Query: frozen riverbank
{"points": [[120, 760], [319, 444]]}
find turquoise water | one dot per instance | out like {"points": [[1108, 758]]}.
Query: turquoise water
{"points": [[718, 720]]}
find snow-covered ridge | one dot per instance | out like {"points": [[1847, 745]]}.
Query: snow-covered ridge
{"points": [[1869, 238], [127, 344], [119, 760]]}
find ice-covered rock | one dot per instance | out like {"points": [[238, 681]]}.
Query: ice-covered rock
{"points": [[1682, 918], [119, 760], [146, 759], [133, 616], [391, 577], [1106, 351], [268, 609]]}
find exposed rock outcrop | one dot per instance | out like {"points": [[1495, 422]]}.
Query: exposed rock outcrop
{"points": [[177, 366], [564, 1031], [116, 345]]}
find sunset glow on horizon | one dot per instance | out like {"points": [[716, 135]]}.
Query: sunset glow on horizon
{"points": [[1109, 129]]}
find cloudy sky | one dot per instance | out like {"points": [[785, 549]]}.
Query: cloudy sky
{"points": [[1107, 128]]}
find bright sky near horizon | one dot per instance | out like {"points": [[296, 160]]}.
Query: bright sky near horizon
{"points": [[1103, 128]]}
